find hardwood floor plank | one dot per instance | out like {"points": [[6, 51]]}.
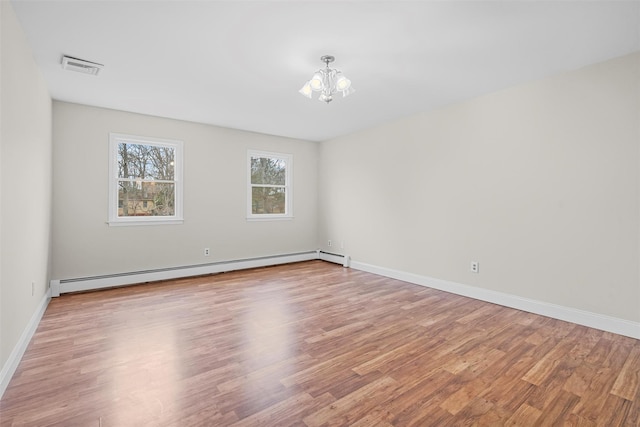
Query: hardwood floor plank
{"points": [[549, 362], [292, 407], [524, 415], [356, 405], [416, 392], [557, 408], [477, 412], [628, 380], [578, 382], [314, 344], [461, 398], [376, 418], [615, 411]]}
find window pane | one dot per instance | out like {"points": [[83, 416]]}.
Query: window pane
{"points": [[268, 170], [145, 161], [268, 200], [137, 198]]}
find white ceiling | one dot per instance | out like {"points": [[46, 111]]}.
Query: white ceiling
{"points": [[240, 64]]}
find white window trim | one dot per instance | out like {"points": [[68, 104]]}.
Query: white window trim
{"points": [[114, 219], [288, 158]]}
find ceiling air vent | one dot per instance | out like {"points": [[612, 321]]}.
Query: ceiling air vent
{"points": [[80, 65]]}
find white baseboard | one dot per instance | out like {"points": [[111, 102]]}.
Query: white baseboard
{"points": [[580, 317], [12, 363], [91, 283]]}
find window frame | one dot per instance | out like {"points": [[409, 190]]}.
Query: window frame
{"points": [[114, 219], [288, 186]]}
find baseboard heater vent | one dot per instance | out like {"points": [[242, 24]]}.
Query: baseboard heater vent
{"points": [[344, 260], [120, 279]]}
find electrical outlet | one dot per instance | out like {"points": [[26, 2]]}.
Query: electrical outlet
{"points": [[207, 252], [33, 289], [329, 243], [475, 267], [342, 244]]}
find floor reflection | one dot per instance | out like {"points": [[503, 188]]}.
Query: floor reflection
{"points": [[144, 382]]}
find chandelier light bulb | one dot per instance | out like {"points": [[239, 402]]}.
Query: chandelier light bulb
{"points": [[316, 81], [328, 81], [343, 83], [306, 90]]}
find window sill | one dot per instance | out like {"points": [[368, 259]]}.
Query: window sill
{"points": [[137, 222], [269, 218]]}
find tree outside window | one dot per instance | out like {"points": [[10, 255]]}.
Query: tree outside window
{"points": [[144, 179], [269, 193]]}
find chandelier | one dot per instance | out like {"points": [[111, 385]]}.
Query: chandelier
{"points": [[327, 81]]}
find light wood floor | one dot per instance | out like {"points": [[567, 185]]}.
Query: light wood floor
{"points": [[314, 344]]}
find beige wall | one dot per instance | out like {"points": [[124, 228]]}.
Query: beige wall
{"points": [[214, 196], [539, 183], [25, 183]]}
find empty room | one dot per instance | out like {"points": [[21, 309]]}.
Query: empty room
{"points": [[319, 213]]}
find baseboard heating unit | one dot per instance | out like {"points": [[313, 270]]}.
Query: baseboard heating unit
{"points": [[344, 260], [80, 284]]}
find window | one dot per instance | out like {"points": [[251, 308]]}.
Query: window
{"points": [[269, 194], [145, 180]]}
